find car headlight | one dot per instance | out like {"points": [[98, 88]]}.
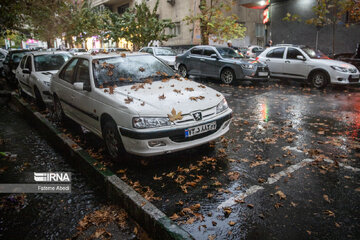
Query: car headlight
{"points": [[150, 122], [339, 69], [222, 106], [46, 83], [247, 66]]}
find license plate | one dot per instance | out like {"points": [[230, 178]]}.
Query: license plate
{"points": [[200, 129], [356, 76], [261, 74]]}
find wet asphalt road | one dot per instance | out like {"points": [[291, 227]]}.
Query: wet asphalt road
{"points": [[287, 169]]}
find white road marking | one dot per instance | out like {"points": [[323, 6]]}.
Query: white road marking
{"points": [[232, 201], [271, 180]]}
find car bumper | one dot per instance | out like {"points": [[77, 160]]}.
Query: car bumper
{"points": [[260, 74], [345, 78], [173, 140]]}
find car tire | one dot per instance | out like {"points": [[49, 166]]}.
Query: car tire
{"points": [[112, 140], [39, 101], [227, 76], [183, 71], [319, 80], [59, 115]]}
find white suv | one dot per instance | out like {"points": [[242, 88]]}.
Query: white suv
{"points": [[137, 103], [302, 62]]}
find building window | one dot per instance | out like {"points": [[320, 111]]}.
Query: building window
{"points": [[176, 30], [259, 30], [123, 8]]}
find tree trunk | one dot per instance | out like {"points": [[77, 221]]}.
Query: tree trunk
{"points": [[203, 25], [50, 43]]}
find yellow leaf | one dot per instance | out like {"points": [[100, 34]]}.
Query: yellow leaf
{"points": [[174, 116]]}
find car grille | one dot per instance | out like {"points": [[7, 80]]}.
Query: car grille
{"points": [[188, 118], [352, 80], [181, 137]]}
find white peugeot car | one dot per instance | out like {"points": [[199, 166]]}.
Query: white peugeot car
{"points": [[34, 73], [305, 63], [137, 103]]}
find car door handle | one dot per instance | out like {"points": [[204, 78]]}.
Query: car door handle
{"points": [[287, 61]]}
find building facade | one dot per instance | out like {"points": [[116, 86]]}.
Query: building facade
{"points": [[345, 38], [187, 35]]}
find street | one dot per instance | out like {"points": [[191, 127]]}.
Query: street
{"points": [[287, 169]]}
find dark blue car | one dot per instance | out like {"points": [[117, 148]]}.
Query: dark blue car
{"points": [[219, 62]]}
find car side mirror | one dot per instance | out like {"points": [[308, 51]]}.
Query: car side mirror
{"points": [[79, 86], [26, 71], [300, 57], [214, 56]]}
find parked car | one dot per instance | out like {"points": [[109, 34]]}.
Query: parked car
{"points": [[352, 58], [118, 50], [165, 54], [307, 64], [34, 73], [219, 62], [137, 103], [3, 54], [77, 51], [10, 64], [253, 51], [98, 50]]}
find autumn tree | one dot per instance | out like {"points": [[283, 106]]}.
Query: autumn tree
{"points": [[215, 23], [330, 13], [140, 25]]}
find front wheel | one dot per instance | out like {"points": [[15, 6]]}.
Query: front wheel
{"points": [[39, 101], [58, 111], [112, 140], [227, 76], [319, 80], [183, 71]]}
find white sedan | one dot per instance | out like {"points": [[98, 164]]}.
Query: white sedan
{"points": [[305, 63], [34, 73], [165, 54], [137, 103]]}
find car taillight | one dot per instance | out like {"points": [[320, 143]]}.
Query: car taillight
{"points": [[257, 58]]}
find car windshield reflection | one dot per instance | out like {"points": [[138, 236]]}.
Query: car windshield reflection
{"points": [[50, 62], [228, 52], [314, 54], [122, 71]]}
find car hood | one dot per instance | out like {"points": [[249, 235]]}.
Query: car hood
{"points": [[331, 62], [168, 59], [159, 98]]}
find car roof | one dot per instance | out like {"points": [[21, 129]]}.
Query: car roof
{"points": [[111, 54], [37, 53], [19, 50]]}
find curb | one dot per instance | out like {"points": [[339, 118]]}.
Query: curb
{"points": [[155, 222]]}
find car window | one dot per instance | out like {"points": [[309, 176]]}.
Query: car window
{"points": [[255, 49], [82, 72], [16, 57], [121, 71], [50, 62], [7, 58], [68, 72], [208, 52], [276, 53], [143, 50], [2, 56], [227, 52], [22, 63], [28, 63], [149, 50], [197, 51], [292, 53], [164, 52]]}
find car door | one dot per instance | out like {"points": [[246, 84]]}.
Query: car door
{"points": [[19, 72], [65, 86], [294, 67], [209, 66], [275, 61], [26, 76], [193, 61], [84, 105]]}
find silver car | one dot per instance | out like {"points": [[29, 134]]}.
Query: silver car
{"points": [[165, 54], [219, 62]]}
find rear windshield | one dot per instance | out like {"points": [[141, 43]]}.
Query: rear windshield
{"points": [[16, 57], [128, 70], [50, 62]]}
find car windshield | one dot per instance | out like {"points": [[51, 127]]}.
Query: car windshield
{"points": [[164, 52], [16, 57], [50, 62], [314, 54], [121, 71], [228, 52]]}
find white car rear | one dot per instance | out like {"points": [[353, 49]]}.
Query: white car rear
{"points": [[302, 62], [136, 102]]}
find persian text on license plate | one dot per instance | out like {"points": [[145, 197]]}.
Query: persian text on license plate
{"points": [[261, 74], [200, 129]]}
